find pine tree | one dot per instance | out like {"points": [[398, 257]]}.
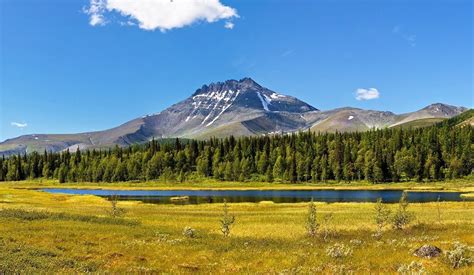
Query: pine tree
{"points": [[278, 168], [228, 173], [62, 173]]}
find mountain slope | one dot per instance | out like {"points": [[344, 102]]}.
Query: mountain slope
{"points": [[219, 109], [437, 110], [353, 119], [418, 123], [464, 119], [234, 107], [223, 103]]}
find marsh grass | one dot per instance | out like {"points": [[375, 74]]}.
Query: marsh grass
{"points": [[53, 233], [32, 215], [464, 185]]}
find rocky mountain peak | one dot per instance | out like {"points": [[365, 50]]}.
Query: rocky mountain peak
{"points": [[243, 85], [443, 109], [249, 83]]}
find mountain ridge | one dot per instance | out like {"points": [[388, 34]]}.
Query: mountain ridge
{"points": [[233, 107]]}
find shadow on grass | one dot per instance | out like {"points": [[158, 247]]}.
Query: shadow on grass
{"points": [[42, 215]]}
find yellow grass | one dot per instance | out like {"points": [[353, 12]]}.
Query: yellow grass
{"points": [[453, 185], [468, 196], [266, 238]]}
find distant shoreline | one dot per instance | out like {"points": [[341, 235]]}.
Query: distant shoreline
{"points": [[446, 186]]}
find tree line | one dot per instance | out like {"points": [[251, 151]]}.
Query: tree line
{"points": [[387, 155]]}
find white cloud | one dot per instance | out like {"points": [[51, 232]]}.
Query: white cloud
{"points": [[19, 125], [96, 11], [367, 94], [229, 25], [161, 14]]}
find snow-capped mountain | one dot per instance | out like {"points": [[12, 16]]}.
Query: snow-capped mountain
{"points": [[228, 104], [234, 107]]}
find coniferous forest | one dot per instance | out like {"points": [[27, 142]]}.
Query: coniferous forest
{"points": [[389, 155]]}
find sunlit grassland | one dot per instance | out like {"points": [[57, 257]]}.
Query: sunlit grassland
{"points": [[67, 233], [463, 185]]}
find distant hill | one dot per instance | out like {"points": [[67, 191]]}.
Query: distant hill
{"points": [[464, 119], [424, 122], [234, 107]]}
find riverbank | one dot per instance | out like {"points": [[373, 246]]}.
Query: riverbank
{"points": [[57, 233], [465, 186]]}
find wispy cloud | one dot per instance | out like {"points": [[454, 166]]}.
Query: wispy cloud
{"points": [[19, 125], [410, 38], [229, 25], [160, 14], [366, 94], [96, 12]]}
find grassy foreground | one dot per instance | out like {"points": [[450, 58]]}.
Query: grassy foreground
{"points": [[67, 233]]}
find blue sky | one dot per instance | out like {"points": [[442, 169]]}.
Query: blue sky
{"points": [[60, 74]]}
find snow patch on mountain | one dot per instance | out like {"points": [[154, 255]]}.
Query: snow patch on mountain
{"points": [[224, 108], [193, 112], [264, 101], [277, 96], [217, 103]]}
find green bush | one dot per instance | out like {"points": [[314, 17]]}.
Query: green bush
{"points": [[402, 217], [381, 217], [227, 220], [311, 220]]}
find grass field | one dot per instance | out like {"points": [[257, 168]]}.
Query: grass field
{"points": [[48, 233], [462, 185]]}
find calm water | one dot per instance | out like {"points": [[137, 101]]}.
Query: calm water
{"points": [[278, 196]]}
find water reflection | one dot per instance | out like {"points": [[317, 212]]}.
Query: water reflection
{"points": [[277, 196]]}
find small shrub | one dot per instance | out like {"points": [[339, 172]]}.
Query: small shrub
{"points": [[327, 230], [311, 220], [402, 217], [356, 242], [459, 256], [381, 217], [338, 251], [411, 269], [115, 211], [189, 232], [227, 220], [438, 208]]}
